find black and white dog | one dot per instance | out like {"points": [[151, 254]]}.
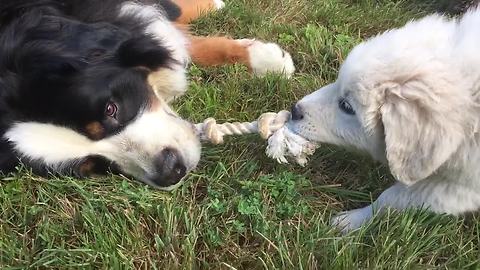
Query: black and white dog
{"points": [[76, 89]]}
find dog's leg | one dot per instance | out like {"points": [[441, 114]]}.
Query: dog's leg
{"points": [[438, 196], [192, 9], [259, 57]]}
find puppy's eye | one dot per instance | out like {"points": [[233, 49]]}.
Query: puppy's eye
{"points": [[345, 106], [111, 110]]}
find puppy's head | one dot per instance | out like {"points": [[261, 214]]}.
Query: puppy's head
{"points": [[82, 104], [399, 96]]}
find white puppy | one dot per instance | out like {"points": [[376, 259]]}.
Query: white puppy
{"points": [[409, 97]]}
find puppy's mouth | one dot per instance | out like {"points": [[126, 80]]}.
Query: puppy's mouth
{"points": [[298, 128]]}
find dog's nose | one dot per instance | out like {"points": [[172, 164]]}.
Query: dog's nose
{"points": [[297, 112], [170, 167]]}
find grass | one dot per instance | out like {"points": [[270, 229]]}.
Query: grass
{"points": [[240, 210]]}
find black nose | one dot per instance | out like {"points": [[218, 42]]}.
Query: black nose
{"points": [[170, 167], [297, 112]]}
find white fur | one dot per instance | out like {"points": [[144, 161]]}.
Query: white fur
{"points": [[47, 142], [219, 4], [168, 83], [133, 149], [415, 91], [268, 57]]}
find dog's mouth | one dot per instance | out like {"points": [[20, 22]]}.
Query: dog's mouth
{"points": [[97, 166]]}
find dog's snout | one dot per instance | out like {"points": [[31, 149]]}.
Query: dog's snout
{"points": [[170, 167], [297, 112]]}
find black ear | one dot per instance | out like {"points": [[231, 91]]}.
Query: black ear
{"points": [[143, 51]]}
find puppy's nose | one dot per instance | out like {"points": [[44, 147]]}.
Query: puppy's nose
{"points": [[170, 167], [297, 112]]}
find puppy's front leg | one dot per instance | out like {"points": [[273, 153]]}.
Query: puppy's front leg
{"points": [[396, 197], [439, 196]]}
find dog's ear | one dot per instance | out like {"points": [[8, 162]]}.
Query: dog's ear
{"points": [[144, 52], [425, 121]]}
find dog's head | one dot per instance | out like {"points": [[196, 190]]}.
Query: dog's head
{"points": [[400, 96], [77, 100]]}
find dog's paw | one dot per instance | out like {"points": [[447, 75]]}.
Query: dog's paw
{"points": [[268, 58], [218, 4], [351, 220]]}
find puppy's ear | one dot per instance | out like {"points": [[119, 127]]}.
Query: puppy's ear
{"points": [[425, 121], [145, 52]]}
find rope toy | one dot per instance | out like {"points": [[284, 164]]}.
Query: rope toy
{"points": [[282, 142]]}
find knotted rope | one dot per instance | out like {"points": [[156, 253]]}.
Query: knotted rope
{"points": [[282, 142]]}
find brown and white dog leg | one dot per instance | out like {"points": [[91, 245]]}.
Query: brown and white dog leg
{"points": [[260, 57], [192, 9]]}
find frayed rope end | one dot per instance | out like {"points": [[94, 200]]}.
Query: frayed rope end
{"points": [[283, 144]]}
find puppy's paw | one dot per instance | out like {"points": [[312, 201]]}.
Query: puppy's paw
{"points": [[268, 57], [351, 220], [218, 4]]}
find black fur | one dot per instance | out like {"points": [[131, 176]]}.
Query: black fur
{"points": [[172, 10], [62, 62], [142, 52]]}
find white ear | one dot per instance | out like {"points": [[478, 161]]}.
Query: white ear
{"points": [[425, 122], [168, 83]]}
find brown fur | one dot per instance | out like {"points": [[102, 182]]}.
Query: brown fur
{"points": [[87, 167], [95, 130], [214, 51]]}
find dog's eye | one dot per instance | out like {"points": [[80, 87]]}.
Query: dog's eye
{"points": [[111, 110], [345, 106], [95, 54]]}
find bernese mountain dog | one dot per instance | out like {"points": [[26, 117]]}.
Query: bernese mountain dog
{"points": [[85, 85]]}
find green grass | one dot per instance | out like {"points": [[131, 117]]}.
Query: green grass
{"points": [[241, 210]]}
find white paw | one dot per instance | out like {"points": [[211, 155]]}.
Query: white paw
{"points": [[351, 220], [268, 58], [219, 4]]}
